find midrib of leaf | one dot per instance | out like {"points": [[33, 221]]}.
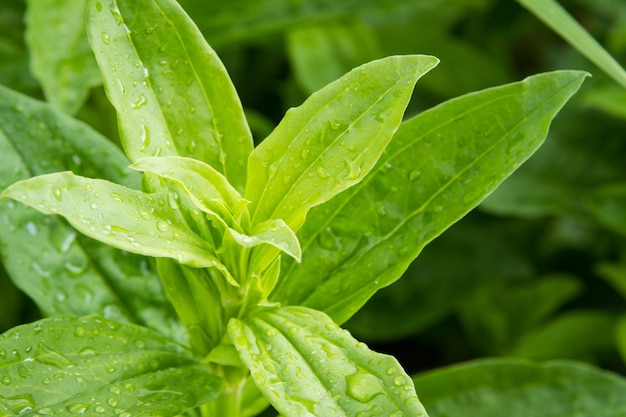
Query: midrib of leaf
{"points": [[310, 167], [302, 356], [115, 297], [446, 184]]}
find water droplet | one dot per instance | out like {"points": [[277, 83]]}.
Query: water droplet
{"points": [[140, 102], [58, 194], [19, 404], [23, 372], [6, 380], [399, 381], [78, 408], [93, 206], [99, 409], [48, 356], [112, 401], [321, 172], [106, 38], [46, 381], [31, 228], [363, 386], [79, 331], [305, 153], [415, 174], [162, 225]]}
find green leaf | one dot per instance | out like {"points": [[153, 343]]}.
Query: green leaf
{"points": [[306, 365], [332, 140], [517, 388], [607, 204], [320, 54], [497, 317], [42, 253], [439, 165], [92, 366], [171, 91], [581, 335], [60, 55], [127, 219], [556, 17], [273, 232]]}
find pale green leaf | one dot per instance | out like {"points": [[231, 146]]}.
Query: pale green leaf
{"points": [[517, 388], [332, 140], [439, 165], [171, 91], [92, 366], [557, 18], [60, 56], [307, 366], [274, 232], [209, 190], [127, 219]]}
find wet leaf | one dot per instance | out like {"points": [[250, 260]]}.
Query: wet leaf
{"points": [[307, 366], [439, 165], [332, 140], [171, 92], [92, 366]]}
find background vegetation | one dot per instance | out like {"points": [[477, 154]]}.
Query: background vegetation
{"points": [[538, 271]]}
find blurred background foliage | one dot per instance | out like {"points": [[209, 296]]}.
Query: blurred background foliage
{"points": [[537, 271]]}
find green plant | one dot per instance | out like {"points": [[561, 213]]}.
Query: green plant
{"points": [[260, 252]]}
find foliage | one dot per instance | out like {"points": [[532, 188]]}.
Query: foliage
{"points": [[205, 269]]}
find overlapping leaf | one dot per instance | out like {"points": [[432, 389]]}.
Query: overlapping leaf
{"points": [[491, 387], [92, 366], [438, 166], [171, 92], [332, 140], [307, 366]]}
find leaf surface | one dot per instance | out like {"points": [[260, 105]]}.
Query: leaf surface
{"points": [[439, 165], [171, 91], [332, 140], [92, 366], [127, 219], [59, 52], [555, 389], [307, 366]]}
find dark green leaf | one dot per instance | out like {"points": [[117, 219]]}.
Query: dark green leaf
{"points": [[516, 388]]}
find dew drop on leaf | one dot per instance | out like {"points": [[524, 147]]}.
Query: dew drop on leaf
{"points": [[6, 380], [322, 172], [106, 38], [140, 102], [78, 408], [19, 404], [363, 386], [50, 357]]}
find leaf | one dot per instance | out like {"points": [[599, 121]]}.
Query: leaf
{"points": [[555, 389], [70, 366], [582, 335], [171, 91], [273, 232], [439, 165], [607, 204], [41, 253], [127, 219], [332, 140], [556, 17], [497, 317], [307, 366], [59, 52], [322, 53]]}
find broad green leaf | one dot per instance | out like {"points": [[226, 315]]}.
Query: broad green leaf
{"points": [[307, 366], [59, 52], [432, 288], [127, 219], [439, 165], [171, 91], [581, 335], [497, 317], [322, 53], [620, 336], [14, 61], [332, 140], [614, 274], [41, 253], [517, 388], [557, 18], [93, 366]]}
